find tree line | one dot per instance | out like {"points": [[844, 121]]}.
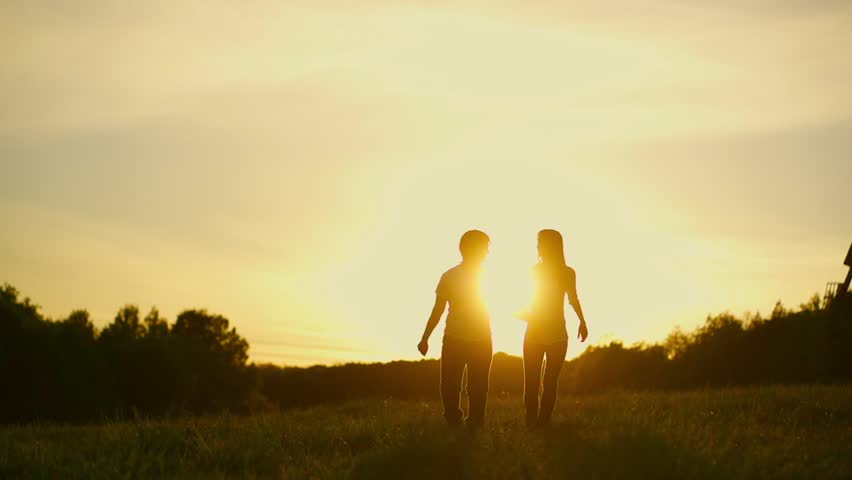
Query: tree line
{"points": [[67, 370]]}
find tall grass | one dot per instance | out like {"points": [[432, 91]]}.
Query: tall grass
{"points": [[764, 432]]}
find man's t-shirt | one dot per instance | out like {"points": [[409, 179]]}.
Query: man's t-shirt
{"points": [[468, 318]]}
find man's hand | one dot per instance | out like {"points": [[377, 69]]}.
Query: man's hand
{"points": [[423, 347], [583, 332]]}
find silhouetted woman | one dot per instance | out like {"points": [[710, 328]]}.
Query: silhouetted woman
{"points": [[547, 336]]}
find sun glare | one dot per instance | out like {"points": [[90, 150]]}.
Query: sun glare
{"points": [[394, 277]]}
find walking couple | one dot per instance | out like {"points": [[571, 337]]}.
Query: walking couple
{"points": [[467, 334]]}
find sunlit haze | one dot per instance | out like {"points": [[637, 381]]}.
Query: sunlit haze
{"points": [[306, 169]]}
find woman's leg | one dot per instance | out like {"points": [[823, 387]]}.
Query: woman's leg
{"points": [[555, 359], [533, 355]]}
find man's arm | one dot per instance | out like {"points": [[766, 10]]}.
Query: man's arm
{"points": [[434, 318], [574, 300]]}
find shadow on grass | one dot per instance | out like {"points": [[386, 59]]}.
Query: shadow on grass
{"points": [[619, 454], [419, 458], [560, 451]]}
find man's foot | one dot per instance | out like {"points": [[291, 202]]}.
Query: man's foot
{"points": [[473, 425], [453, 418], [454, 422]]}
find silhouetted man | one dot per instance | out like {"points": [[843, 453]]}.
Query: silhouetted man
{"points": [[467, 334]]}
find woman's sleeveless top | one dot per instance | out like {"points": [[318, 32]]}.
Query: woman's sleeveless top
{"points": [[546, 323]]}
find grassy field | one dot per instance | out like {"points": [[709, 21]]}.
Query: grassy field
{"points": [[772, 432]]}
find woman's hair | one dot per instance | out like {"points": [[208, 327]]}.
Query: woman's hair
{"points": [[550, 248]]}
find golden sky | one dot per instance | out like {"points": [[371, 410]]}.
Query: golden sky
{"points": [[306, 168]]}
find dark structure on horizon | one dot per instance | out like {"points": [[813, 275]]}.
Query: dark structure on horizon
{"points": [[836, 289]]}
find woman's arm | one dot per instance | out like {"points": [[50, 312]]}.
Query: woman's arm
{"points": [[434, 318], [574, 300]]}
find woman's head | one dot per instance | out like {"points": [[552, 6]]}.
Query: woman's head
{"points": [[550, 248], [474, 246]]}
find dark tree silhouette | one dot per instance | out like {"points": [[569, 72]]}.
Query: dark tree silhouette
{"points": [[66, 370], [211, 360]]}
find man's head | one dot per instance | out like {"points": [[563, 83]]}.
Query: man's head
{"points": [[474, 246]]}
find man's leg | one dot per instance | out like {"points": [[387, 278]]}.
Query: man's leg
{"points": [[452, 366], [533, 355], [478, 375], [555, 359]]}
